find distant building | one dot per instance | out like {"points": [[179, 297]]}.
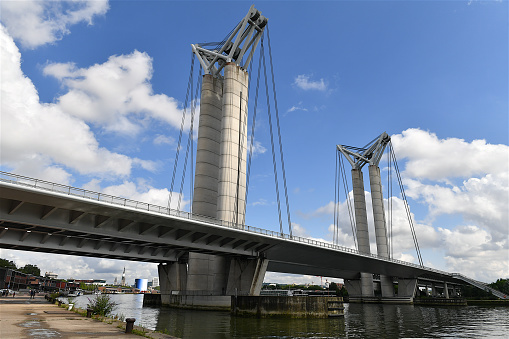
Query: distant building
{"points": [[97, 282], [50, 275], [155, 282], [123, 279]]}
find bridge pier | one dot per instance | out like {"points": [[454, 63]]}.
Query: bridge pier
{"points": [[211, 281], [220, 188], [364, 287], [382, 246], [407, 288]]}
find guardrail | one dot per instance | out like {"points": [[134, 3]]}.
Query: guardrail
{"points": [[109, 199]]}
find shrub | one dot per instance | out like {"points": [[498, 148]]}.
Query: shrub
{"points": [[101, 305]]}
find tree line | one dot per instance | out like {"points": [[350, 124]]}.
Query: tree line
{"points": [[28, 268]]}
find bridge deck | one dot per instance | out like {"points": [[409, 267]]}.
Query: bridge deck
{"points": [[48, 217]]}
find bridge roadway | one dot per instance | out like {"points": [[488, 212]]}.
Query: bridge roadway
{"points": [[47, 217]]}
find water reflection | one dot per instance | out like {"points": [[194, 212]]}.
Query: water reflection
{"points": [[360, 321]]}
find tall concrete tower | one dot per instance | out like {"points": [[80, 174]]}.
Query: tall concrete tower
{"points": [[220, 179], [358, 157], [123, 283]]}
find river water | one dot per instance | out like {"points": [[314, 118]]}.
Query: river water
{"points": [[360, 321]]}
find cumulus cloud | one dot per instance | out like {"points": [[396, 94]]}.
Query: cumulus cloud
{"points": [[34, 23], [115, 95], [139, 191], [429, 157], [476, 188], [303, 81], [163, 139], [42, 137]]}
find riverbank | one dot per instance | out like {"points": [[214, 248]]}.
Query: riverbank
{"points": [[22, 317]]}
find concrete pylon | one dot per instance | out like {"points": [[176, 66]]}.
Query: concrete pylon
{"points": [[361, 222], [232, 166], [220, 188], [208, 148], [382, 245], [206, 272]]}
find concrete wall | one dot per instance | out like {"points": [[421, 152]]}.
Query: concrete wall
{"points": [[293, 307], [200, 302]]}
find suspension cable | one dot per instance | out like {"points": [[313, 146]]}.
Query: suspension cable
{"points": [[279, 134], [407, 207], [189, 82], [351, 213], [272, 143], [253, 128], [194, 102]]}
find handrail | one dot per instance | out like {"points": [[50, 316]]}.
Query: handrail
{"points": [[109, 199]]}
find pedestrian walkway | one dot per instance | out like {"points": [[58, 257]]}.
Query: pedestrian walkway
{"points": [[23, 317]]}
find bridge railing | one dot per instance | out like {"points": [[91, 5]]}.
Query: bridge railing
{"points": [[110, 199]]}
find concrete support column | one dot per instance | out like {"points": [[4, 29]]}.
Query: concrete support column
{"points": [[433, 290], [407, 288], [446, 290], [172, 277], [208, 147], [204, 268], [207, 274], [382, 246], [245, 276], [232, 166], [361, 222], [361, 218]]}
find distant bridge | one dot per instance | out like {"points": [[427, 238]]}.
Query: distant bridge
{"points": [[47, 217]]}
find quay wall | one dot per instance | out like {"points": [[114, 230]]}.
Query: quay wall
{"points": [[292, 307]]}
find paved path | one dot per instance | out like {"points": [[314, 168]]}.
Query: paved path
{"points": [[22, 317]]}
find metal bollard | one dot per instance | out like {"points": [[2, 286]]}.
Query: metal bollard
{"points": [[89, 313], [129, 325]]}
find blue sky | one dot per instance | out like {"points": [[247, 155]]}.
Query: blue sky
{"points": [[92, 96]]}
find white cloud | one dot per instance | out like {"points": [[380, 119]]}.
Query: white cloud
{"points": [[257, 148], [42, 138], [472, 251], [34, 23], [297, 107], [303, 82], [115, 95], [139, 191], [163, 139], [429, 157]]}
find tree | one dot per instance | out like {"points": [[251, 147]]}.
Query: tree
{"points": [[501, 285], [7, 263], [31, 269]]}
